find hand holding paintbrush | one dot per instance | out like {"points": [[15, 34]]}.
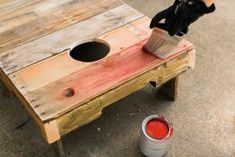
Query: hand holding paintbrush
{"points": [[177, 18]]}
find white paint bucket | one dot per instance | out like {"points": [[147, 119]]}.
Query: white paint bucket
{"points": [[155, 135]]}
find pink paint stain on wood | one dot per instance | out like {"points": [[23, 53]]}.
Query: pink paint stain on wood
{"points": [[100, 77]]}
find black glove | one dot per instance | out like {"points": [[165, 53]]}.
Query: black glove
{"points": [[180, 15]]}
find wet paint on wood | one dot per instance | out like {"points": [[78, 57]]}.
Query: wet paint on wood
{"points": [[94, 80], [93, 109]]}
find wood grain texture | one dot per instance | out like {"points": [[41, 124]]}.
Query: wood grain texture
{"points": [[9, 6], [50, 102], [93, 109], [22, 21], [52, 44], [59, 66]]}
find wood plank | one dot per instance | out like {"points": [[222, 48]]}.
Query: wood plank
{"points": [[50, 101], [24, 21], [59, 66], [52, 44], [9, 6], [93, 109]]}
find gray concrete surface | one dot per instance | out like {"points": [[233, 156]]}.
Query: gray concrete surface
{"points": [[203, 116]]}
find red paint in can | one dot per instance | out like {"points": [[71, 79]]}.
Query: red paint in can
{"points": [[157, 129]]}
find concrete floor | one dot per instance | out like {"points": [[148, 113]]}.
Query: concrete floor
{"points": [[203, 116]]}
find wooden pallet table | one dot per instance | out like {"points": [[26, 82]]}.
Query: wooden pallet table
{"points": [[61, 93]]}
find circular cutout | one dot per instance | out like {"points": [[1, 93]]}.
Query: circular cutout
{"points": [[90, 51]]}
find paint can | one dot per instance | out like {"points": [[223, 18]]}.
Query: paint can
{"points": [[156, 133]]}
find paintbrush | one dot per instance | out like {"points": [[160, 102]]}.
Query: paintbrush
{"points": [[161, 44]]}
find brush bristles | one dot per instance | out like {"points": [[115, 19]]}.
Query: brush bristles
{"points": [[161, 44]]}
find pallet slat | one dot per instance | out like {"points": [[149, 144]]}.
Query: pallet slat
{"points": [[24, 21]]}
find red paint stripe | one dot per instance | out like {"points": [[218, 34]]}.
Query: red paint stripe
{"points": [[99, 77]]}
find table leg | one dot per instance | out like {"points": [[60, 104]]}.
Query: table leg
{"points": [[170, 88], [58, 145]]}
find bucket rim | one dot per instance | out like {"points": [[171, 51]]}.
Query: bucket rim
{"points": [[151, 117]]}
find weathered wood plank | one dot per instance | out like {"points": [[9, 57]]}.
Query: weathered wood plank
{"points": [[24, 21], [9, 6], [61, 65], [67, 38], [50, 102], [93, 109]]}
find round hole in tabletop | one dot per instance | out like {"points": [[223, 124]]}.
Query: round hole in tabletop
{"points": [[90, 51]]}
